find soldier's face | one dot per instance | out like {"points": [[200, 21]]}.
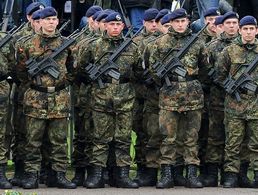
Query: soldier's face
{"points": [[91, 22], [96, 25], [165, 28], [151, 26], [248, 33], [211, 26], [101, 26], [180, 25], [36, 25], [49, 24], [114, 28], [231, 26], [219, 29]]}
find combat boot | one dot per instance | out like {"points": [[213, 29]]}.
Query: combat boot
{"points": [[122, 178], [95, 178], [255, 183], [230, 180], [63, 182], [18, 174], [51, 178], [4, 183], [149, 177], [243, 180], [211, 179], [30, 180], [178, 176], [141, 169], [166, 179], [79, 176], [192, 181]]}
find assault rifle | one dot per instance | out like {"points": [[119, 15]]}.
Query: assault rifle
{"points": [[48, 64], [174, 65], [9, 36], [244, 81], [109, 67]]}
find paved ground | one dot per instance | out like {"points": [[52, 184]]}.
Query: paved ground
{"points": [[149, 191]]}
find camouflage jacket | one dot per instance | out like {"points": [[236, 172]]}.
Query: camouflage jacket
{"points": [[212, 51], [126, 63], [39, 104], [181, 96], [229, 63]]}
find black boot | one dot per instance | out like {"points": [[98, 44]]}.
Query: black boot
{"points": [[51, 178], [255, 183], [230, 180], [18, 174], [166, 179], [149, 177], [141, 169], [211, 179], [192, 181], [243, 180], [179, 179], [4, 183], [95, 178], [122, 178], [79, 176], [43, 174], [30, 180], [63, 182]]}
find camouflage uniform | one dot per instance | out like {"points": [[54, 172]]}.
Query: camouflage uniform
{"points": [[240, 117], [182, 101], [145, 122], [111, 106], [205, 37], [45, 111], [216, 136], [83, 120], [4, 92]]}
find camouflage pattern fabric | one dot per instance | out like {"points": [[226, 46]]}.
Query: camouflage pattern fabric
{"points": [[56, 130], [181, 97], [240, 117], [112, 106]]}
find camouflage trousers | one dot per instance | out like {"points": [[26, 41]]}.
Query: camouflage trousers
{"points": [[216, 138], [3, 117], [153, 135], [171, 123], [204, 130], [109, 127], [241, 143], [139, 127], [82, 142], [57, 133]]}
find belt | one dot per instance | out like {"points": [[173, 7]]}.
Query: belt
{"points": [[182, 79], [114, 81], [48, 89]]}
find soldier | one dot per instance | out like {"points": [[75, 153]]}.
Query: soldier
{"points": [[216, 136], [111, 106], [4, 91], [159, 17], [46, 103], [240, 115], [182, 101], [83, 120], [19, 126], [145, 119], [165, 22], [208, 34]]}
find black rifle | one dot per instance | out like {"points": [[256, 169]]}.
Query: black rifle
{"points": [[7, 14], [109, 67], [48, 64], [64, 25], [125, 16], [174, 65], [244, 81], [9, 36]]}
